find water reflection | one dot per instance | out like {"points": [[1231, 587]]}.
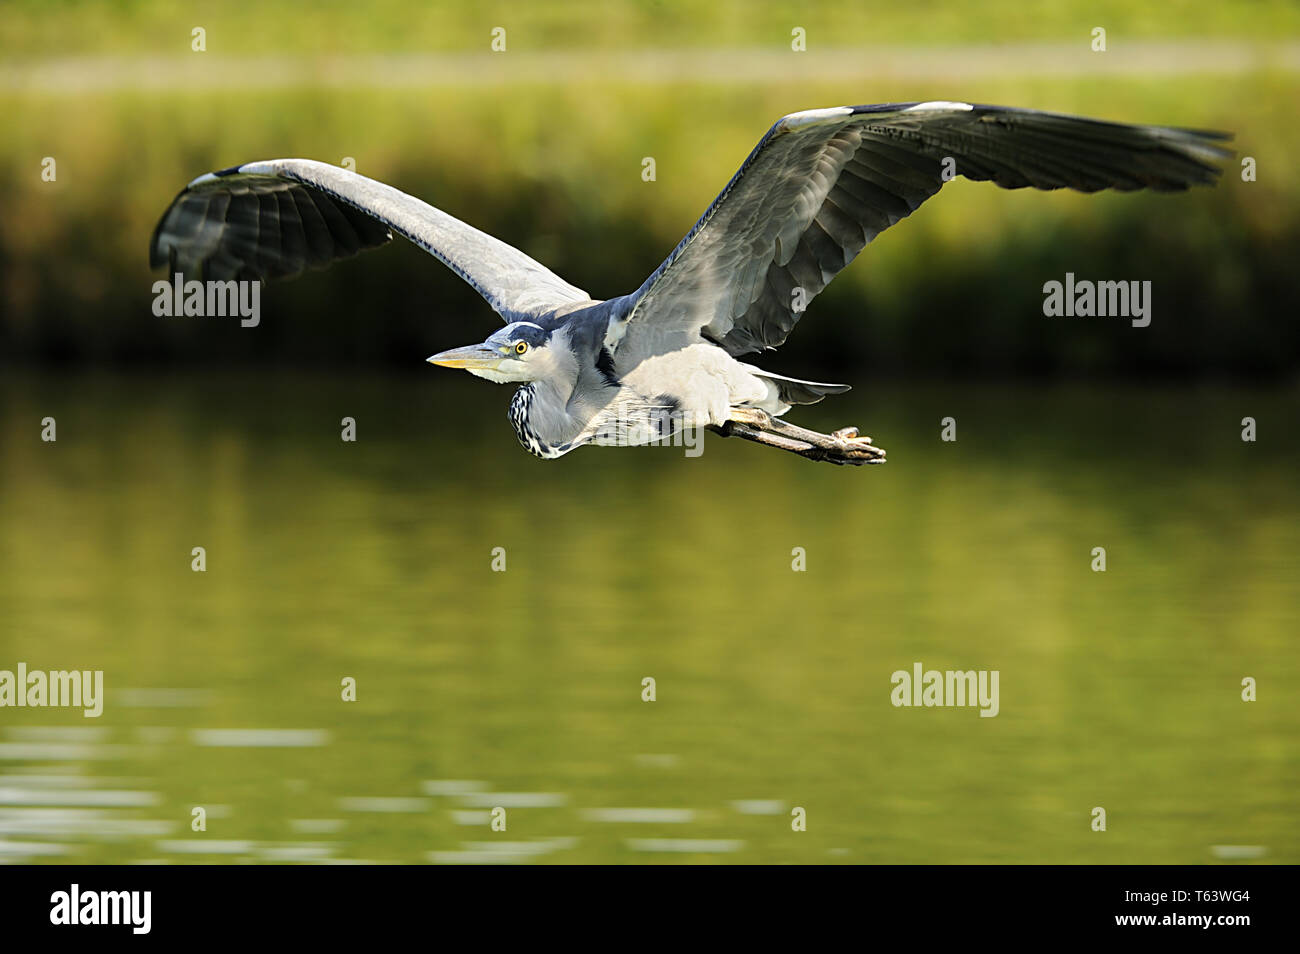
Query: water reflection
{"points": [[522, 690]]}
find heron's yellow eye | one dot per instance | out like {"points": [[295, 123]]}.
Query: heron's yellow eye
{"points": [[521, 347]]}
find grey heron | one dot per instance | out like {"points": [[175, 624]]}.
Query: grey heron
{"points": [[816, 189]]}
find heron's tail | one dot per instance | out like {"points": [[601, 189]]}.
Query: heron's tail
{"points": [[794, 391]]}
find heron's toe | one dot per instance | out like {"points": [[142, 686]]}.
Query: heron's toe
{"points": [[857, 450]]}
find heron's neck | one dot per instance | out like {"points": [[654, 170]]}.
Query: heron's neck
{"points": [[540, 415]]}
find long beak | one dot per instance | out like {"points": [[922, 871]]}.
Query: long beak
{"points": [[474, 356]]}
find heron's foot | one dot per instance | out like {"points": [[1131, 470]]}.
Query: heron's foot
{"points": [[849, 447], [845, 446]]}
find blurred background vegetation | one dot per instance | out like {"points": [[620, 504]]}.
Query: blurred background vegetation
{"points": [[542, 146], [329, 559]]}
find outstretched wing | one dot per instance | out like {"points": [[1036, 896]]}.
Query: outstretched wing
{"points": [[274, 219], [823, 183]]}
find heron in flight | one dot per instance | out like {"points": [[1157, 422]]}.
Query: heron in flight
{"points": [[636, 369]]}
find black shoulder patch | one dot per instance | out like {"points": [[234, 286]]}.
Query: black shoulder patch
{"points": [[667, 413], [605, 365], [668, 402], [228, 172]]}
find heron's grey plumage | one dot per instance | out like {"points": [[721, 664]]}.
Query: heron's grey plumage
{"points": [[823, 183], [273, 219], [818, 187]]}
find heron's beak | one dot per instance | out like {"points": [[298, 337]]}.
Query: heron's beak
{"points": [[475, 356]]}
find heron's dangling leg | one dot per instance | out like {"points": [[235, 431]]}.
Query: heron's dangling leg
{"points": [[842, 447], [735, 429]]}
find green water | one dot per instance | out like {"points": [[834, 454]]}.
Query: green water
{"points": [[373, 560]]}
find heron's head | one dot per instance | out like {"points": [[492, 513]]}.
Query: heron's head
{"points": [[521, 351]]}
